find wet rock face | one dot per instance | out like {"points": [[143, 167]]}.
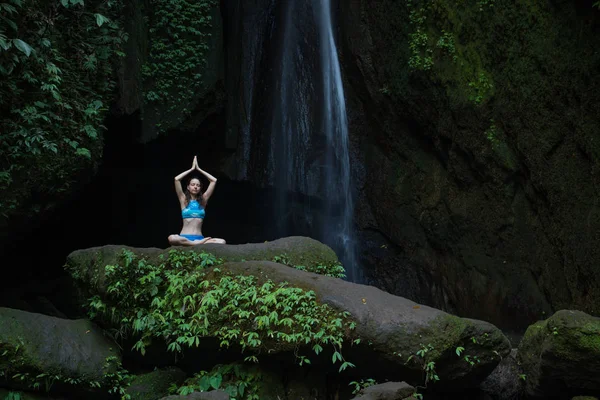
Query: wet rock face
{"points": [[496, 224], [560, 356]]}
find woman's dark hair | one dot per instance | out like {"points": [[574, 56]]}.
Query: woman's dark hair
{"points": [[188, 197]]}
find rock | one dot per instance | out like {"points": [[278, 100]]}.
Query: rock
{"points": [[393, 330], [155, 385], [494, 215], [560, 356], [212, 395], [87, 266], [34, 344], [386, 391], [506, 381], [397, 328]]}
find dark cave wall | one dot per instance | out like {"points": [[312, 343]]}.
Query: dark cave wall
{"points": [[501, 226]]}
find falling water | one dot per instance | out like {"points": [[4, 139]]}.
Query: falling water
{"points": [[298, 99], [338, 230]]}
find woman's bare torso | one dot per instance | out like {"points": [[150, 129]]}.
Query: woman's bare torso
{"points": [[192, 226]]}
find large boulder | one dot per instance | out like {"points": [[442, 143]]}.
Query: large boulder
{"points": [[393, 329], [560, 356], [53, 351], [87, 266], [399, 339], [507, 381]]}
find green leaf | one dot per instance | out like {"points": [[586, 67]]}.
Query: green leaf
{"points": [[204, 383], [64, 3], [215, 381], [21, 45], [9, 9], [91, 131], [9, 22], [100, 19], [84, 152], [5, 44]]}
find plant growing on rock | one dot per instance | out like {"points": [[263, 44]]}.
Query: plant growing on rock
{"points": [[239, 381], [422, 358], [188, 297], [335, 270]]}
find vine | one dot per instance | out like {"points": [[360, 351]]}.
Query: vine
{"points": [[56, 79], [179, 32]]}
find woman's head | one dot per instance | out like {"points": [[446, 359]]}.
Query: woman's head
{"points": [[194, 188]]}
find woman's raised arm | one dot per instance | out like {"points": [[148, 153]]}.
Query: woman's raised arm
{"points": [[211, 186], [178, 187]]}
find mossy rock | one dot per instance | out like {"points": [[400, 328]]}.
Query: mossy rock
{"points": [[87, 266], [67, 352], [155, 385], [560, 356], [392, 328]]}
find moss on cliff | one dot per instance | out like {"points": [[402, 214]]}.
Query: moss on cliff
{"points": [[505, 98]]}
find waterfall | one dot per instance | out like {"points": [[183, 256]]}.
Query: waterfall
{"points": [[338, 230], [294, 130]]}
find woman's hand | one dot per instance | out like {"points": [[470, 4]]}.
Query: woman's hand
{"points": [[195, 163]]}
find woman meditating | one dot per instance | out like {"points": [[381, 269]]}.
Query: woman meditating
{"points": [[193, 202]]}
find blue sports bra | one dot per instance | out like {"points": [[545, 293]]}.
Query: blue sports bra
{"points": [[193, 210]]}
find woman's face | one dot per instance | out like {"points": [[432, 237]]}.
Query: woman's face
{"points": [[194, 186]]}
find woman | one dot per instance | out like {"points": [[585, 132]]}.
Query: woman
{"points": [[193, 202]]}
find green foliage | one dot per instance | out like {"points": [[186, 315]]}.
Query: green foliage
{"points": [[179, 32], [115, 381], [335, 270], [13, 396], [117, 378], [422, 358], [480, 88], [239, 381], [492, 135], [436, 27], [181, 301], [56, 79], [362, 384], [421, 54]]}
